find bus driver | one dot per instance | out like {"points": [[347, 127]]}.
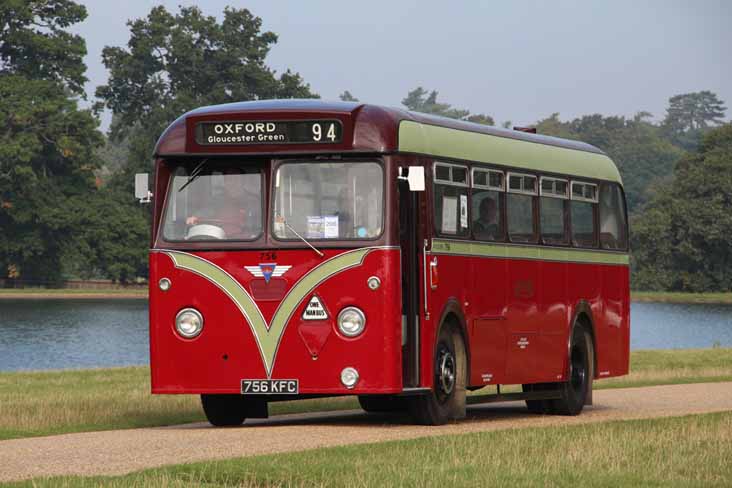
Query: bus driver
{"points": [[236, 210]]}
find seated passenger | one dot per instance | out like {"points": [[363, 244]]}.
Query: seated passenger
{"points": [[486, 227]]}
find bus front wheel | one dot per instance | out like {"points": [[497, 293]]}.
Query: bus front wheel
{"points": [[224, 410], [446, 401]]}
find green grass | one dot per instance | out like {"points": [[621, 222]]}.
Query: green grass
{"points": [[56, 402], [679, 297], [680, 451]]}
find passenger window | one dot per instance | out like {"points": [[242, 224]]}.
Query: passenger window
{"points": [[487, 205], [584, 197], [613, 234], [554, 194], [520, 207], [583, 224], [451, 199]]}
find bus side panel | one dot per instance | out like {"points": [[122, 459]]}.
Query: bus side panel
{"points": [[488, 331], [584, 285], [554, 316], [615, 320], [451, 291], [523, 319]]}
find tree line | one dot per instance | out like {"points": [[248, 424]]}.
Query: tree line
{"points": [[66, 209]]}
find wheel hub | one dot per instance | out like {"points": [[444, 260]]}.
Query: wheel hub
{"points": [[446, 372]]}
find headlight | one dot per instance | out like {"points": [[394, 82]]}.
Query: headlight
{"points": [[351, 321], [189, 323]]}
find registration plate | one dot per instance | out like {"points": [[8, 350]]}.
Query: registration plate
{"points": [[270, 387]]}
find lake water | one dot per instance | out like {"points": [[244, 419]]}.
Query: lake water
{"points": [[53, 334]]}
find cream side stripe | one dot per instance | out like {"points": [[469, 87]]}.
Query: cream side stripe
{"points": [[473, 146], [484, 249], [268, 337]]}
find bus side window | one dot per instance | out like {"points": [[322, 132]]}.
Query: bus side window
{"points": [[522, 189], [613, 227], [487, 204], [584, 197], [554, 195], [451, 199]]}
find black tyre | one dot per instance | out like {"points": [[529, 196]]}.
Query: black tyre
{"points": [[574, 391], [382, 403], [446, 401], [224, 410]]}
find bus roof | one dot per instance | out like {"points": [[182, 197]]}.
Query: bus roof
{"points": [[372, 129]]}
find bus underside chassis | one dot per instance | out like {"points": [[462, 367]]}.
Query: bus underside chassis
{"points": [[447, 400]]}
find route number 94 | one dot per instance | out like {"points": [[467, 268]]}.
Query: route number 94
{"points": [[327, 130]]}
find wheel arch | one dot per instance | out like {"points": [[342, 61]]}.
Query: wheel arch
{"points": [[452, 312], [583, 315]]}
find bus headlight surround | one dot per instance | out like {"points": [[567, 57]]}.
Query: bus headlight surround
{"points": [[351, 322], [189, 323]]}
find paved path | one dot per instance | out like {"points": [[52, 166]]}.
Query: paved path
{"points": [[122, 451]]}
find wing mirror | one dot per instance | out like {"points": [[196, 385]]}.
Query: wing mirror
{"points": [[142, 189], [415, 177]]}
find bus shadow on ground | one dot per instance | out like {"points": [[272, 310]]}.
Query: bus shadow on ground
{"points": [[358, 418]]}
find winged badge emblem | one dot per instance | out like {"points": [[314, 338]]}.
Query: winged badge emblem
{"points": [[267, 270]]}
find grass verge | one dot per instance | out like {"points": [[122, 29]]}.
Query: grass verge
{"points": [[679, 451], [679, 297], [55, 402]]}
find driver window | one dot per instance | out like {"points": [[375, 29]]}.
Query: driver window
{"points": [[216, 203]]}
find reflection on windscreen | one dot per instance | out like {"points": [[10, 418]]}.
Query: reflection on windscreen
{"points": [[328, 200], [217, 205]]}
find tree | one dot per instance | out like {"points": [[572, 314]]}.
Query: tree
{"points": [[636, 145], [420, 100], [683, 240], [47, 144], [177, 62], [347, 97], [174, 62], [689, 115]]}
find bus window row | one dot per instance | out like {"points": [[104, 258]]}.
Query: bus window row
{"points": [[492, 205]]}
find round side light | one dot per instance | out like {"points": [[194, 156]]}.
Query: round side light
{"points": [[164, 284], [189, 323], [349, 377], [351, 322]]}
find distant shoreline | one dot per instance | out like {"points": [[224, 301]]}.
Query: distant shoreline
{"points": [[112, 294], [71, 294]]}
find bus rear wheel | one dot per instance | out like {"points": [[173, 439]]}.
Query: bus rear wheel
{"points": [[446, 401], [224, 410], [573, 393], [381, 403]]}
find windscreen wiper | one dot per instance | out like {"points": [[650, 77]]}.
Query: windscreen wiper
{"points": [[301, 237], [194, 174]]}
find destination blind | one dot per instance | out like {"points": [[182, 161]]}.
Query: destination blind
{"points": [[226, 133]]}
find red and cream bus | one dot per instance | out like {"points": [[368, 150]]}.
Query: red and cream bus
{"points": [[303, 248]]}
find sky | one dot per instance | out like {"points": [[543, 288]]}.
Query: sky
{"points": [[519, 61]]}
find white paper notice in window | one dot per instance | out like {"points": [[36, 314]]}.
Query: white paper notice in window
{"points": [[330, 226], [449, 215], [463, 211]]}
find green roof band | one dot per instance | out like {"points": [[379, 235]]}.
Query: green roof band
{"points": [[443, 142]]}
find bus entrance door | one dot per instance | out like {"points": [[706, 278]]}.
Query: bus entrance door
{"points": [[409, 242]]}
